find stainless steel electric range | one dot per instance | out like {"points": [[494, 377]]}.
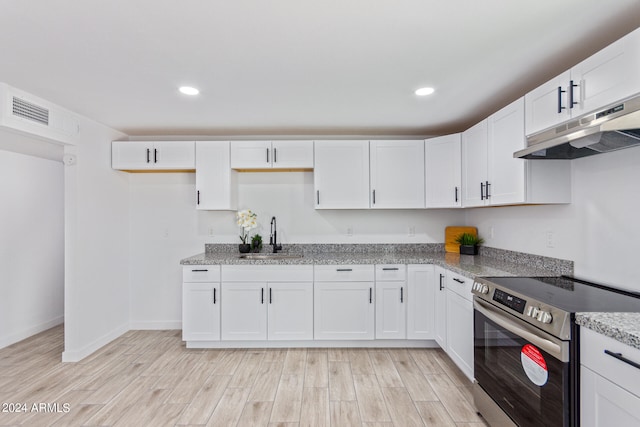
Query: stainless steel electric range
{"points": [[526, 342]]}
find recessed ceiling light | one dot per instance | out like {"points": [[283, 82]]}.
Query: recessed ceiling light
{"points": [[424, 91], [188, 90]]}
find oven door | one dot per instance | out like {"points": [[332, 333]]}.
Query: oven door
{"points": [[524, 370]]}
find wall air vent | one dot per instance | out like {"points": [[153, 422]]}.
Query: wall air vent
{"points": [[29, 111]]}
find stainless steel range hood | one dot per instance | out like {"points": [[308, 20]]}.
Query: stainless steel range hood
{"points": [[612, 128]]}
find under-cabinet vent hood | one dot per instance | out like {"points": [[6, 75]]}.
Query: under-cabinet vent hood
{"points": [[27, 114], [612, 128]]}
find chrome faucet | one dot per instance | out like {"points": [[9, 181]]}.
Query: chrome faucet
{"points": [[273, 238]]}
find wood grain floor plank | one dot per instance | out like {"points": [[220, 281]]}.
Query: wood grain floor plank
{"points": [[317, 369], [205, 402], [401, 408], [255, 414], [288, 401], [414, 381], [267, 380], [344, 413], [246, 372], [434, 414], [453, 399], [341, 381], [370, 399], [426, 361], [385, 369], [314, 411], [360, 362], [295, 361], [230, 407]]}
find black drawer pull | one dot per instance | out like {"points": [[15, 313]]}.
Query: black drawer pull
{"points": [[196, 271], [620, 357], [214, 295], [401, 294], [441, 285], [344, 269], [390, 268], [370, 295], [262, 296], [458, 280]]}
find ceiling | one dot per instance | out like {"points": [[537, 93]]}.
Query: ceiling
{"points": [[297, 67]]}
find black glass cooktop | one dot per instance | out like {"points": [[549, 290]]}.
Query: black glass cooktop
{"points": [[570, 294]]}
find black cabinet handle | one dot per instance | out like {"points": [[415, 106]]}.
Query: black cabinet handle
{"points": [[198, 201], [401, 294], [155, 155], [262, 295], [458, 280], [487, 185], [344, 269], [456, 194], [275, 155], [214, 295], [267, 155], [571, 101], [318, 196], [270, 299], [620, 357], [370, 295], [390, 268], [195, 271], [560, 92], [441, 278], [374, 197], [482, 191], [148, 154]]}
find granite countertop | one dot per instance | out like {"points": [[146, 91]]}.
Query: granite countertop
{"points": [[623, 327]]}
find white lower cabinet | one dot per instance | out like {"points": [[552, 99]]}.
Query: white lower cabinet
{"points": [[440, 307], [244, 313], [420, 302], [290, 311], [343, 302], [609, 384], [391, 302], [460, 322], [200, 311]]}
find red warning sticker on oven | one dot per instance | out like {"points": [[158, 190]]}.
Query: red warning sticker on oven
{"points": [[534, 365]]}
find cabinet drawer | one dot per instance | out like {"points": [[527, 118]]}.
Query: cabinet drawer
{"points": [[200, 273], [459, 284], [343, 273], [267, 273], [391, 272], [593, 356]]}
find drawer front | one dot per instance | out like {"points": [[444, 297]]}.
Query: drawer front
{"points": [[391, 272], [200, 273], [343, 273], [459, 284], [593, 356], [267, 273]]}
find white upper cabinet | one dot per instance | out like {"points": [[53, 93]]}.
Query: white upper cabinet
{"points": [[341, 174], [492, 176], [606, 77], [216, 187], [474, 165], [272, 154], [158, 155], [443, 176], [397, 174]]}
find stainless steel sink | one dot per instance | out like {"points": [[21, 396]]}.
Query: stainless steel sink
{"points": [[271, 256]]}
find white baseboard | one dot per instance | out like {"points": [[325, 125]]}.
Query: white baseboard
{"points": [[154, 326], [30, 331], [79, 354], [315, 344]]}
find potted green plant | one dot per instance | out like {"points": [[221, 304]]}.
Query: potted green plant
{"points": [[247, 222], [469, 243], [256, 243]]}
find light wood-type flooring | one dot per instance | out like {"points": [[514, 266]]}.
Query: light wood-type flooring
{"points": [[148, 378]]}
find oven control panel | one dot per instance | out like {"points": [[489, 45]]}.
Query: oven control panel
{"points": [[509, 300]]}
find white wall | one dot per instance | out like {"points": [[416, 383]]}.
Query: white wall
{"points": [[31, 243], [598, 231], [96, 244], [166, 227]]}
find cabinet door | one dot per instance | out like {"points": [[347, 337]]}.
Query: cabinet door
{"points": [[474, 165], [251, 154], [292, 154], [546, 105], [603, 403], [443, 176], [391, 318], [200, 311], [244, 312], [215, 180], [131, 155], [440, 309], [397, 174], [341, 174], [343, 311], [290, 311], [506, 174], [460, 332], [174, 155], [420, 301], [608, 76]]}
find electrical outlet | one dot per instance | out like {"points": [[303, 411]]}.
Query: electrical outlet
{"points": [[412, 231], [210, 231], [551, 239], [349, 231], [491, 232]]}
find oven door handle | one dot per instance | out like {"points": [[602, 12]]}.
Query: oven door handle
{"points": [[555, 347]]}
